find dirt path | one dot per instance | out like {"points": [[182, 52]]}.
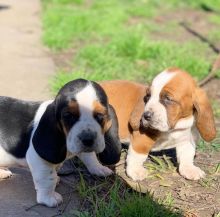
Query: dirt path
{"points": [[25, 66]]}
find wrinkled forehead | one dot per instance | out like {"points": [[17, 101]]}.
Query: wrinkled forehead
{"points": [[88, 101], [173, 81], [160, 81]]}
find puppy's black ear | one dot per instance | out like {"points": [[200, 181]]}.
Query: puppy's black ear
{"points": [[49, 140], [112, 152]]}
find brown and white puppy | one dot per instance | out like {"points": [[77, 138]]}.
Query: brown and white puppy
{"points": [[161, 117]]}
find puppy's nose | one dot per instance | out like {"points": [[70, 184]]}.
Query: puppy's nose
{"points": [[148, 115], [87, 138]]}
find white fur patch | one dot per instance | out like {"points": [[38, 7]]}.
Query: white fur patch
{"points": [[93, 165], [160, 119], [43, 173], [184, 123], [85, 99], [7, 159], [135, 168], [185, 156], [42, 108]]}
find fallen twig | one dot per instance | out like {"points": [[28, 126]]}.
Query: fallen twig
{"points": [[216, 66], [200, 36]]}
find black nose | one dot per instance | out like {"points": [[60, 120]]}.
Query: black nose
{"points": [[148, 115], [87, 138]]}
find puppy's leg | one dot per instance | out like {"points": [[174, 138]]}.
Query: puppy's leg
{"points": [[4, 173], [137, 155], [185, 156], [93, 165], [45, 179]]}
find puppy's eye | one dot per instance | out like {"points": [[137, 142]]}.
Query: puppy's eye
{"points": [[70, 118], [99, 117], [167, 100], [147, 97]]}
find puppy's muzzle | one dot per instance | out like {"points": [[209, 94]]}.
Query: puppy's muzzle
{"points": [[147, 119], [148, 115], [87, 138]]}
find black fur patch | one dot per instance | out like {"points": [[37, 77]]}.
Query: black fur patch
{"points": [[49, 140], [16, 118]]}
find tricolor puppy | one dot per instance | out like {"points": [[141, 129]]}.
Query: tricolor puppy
{"points": [[161, 117], [78, 122]]}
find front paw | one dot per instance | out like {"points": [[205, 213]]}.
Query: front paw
{"points": [[51, 200], [191, 172], [137, 173], [100, 171], [4, 174]]}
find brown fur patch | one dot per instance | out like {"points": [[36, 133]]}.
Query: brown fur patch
{"points": [[124, 96], [204, 115], [141, 142], [73, 107], [98, 108], [179, 89]]}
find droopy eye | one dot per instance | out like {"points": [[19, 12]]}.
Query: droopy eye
{"points": [[167, 99], [147, 97], [99, 117], [69, 118]]}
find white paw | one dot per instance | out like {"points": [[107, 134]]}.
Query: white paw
{"points": [[137, 173], [100, 170], [50, 200], [4, 174], [191, 172]]}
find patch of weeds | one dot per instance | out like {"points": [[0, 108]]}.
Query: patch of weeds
{"points": [[209, 146], [217, 215], [64, 23], [113, 198], [208, 182], [168, 200], [217, 169], [158, 166], [214, 35], [131, 56], [215, 19], [216, 108], [109, 48]]}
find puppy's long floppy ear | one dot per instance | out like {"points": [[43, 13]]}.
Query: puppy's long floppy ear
{"points": [[137, 112], [112, 152], [204, 115], [49, 140]]}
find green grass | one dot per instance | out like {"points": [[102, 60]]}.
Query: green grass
{"points": [[113, 199], [110, 47], [210, 146], [131, 56]]}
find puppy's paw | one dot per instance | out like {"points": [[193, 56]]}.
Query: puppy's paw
{"points": [[4, 174], [100, 170], [191, 172], [50, 200], [136, 173]]}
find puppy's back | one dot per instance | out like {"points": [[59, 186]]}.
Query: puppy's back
{"points": [[123, 96]]}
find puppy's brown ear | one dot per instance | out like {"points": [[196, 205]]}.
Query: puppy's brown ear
{"points": [[204, 115], [137, 112]]}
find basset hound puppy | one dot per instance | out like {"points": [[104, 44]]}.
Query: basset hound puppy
{"points": [[161, 116], [79, 121]]}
